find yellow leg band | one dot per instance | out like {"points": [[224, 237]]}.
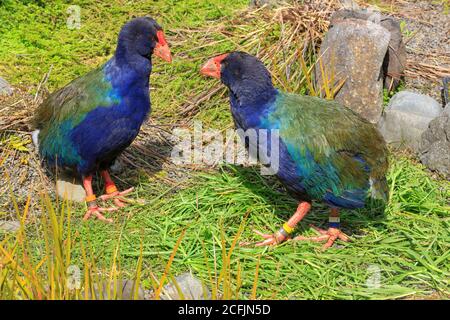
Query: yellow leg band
{"points": [[90, 198], [111, 189], [287, 228]]}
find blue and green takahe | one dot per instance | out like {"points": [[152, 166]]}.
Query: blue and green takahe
{"points": [[89, 122], [327, 152]]}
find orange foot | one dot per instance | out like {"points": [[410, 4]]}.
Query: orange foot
{"points": [[330, 235], [96, 212], [270, 239], [118, 197]]}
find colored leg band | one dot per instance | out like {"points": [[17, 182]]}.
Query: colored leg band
{"points": [[111, 189], [334, 222], [283, 232], [90, 198], [287, 228]]}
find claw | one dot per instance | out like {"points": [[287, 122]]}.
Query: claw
{"points": [[264, 235], [116, 194], [330, 236], [96, 212], [270, 239], [118, 197], [321, 231]]}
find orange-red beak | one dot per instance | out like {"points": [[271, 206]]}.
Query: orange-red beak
{"points": [[212, 67], [162, 48]]}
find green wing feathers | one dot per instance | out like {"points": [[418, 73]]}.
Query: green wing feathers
{"points": [[336, 138], [75, 100]]}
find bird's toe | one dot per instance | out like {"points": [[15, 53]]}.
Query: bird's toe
{"points": [[97, 213]]}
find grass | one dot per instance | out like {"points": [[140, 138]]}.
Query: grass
{"points": [[35, 39], [409, 245], [195, 222]]}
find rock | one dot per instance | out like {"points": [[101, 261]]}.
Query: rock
{"points": [[124, 291], [420, 104], [447, 110], [117, 166], [446, 83], [407, 117], [395, 60], [191, 288], [437, 156], [10, 226], [70, 188], [435, 144], [360, 14], [5, 87], [354, 50], [260, 3]]}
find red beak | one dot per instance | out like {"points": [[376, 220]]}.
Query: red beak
{"points": [[162, 48], [212, 67]]}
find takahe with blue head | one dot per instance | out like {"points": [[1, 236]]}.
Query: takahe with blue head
{"points": [[89, 122], [327, 152]]}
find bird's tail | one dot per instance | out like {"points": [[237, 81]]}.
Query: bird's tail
{"points": [[379, 189]]}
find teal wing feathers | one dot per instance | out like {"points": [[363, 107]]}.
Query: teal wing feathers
{"points": [[75, 100], [334, 149], [64, 109]]}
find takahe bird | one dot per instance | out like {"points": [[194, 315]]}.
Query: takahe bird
{"points": [[88, 123], [327, 152]]}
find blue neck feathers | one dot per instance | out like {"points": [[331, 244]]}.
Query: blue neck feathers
{"points": [[128, 74], [250, 100], [128, 59]]}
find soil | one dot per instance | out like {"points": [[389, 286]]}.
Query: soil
{"points": [[427, 38]]}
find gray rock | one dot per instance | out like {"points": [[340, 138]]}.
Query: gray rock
{"points": [[437, 157], [5, 87], [269, 3], [417, 103], [447, 110], [395, 60], [406, 118], [124, 291], [10, 226], [354, 50], [190, 287], [435, 144], [70, 188], [117, 166]]}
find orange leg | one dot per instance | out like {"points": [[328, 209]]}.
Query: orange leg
{"points": [[93, 209], [328, 236], [112, 192], [284, 233]]}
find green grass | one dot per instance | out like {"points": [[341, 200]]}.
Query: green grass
{"points": [[35, 36], [35, 39], [387, 95], [408, 244]]}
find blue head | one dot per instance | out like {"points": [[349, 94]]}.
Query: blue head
{"points": [[246, 77], [138, 40]]}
